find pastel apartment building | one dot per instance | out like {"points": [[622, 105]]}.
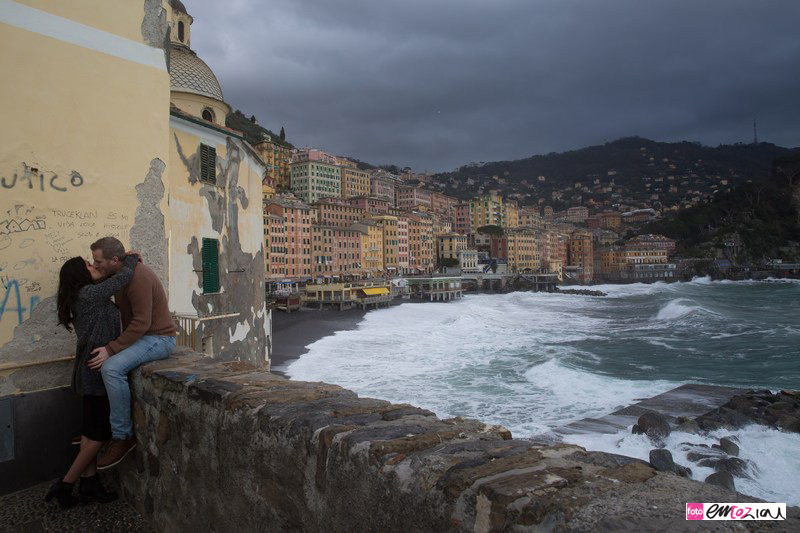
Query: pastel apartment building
{"points": [[371, 204], [355, 182], [383, 187], [461, 220], [336, 212], [443, 205], [412, 198], [371, 235], [312, 180], [335, 251], [520, 249], [577, 214], [287, 224], [580, 253], [391, 241], [421, 243], [278, 160]]}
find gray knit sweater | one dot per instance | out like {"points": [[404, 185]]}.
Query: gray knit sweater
{"points": [[97, 321]]}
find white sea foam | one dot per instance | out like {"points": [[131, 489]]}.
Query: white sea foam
{"points": [[773, 452], [676, 309], [535, 361]]}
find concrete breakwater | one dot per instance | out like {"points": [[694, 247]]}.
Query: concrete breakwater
{"points": [[224, 446]]}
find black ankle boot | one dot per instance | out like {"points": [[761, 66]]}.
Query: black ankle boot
{"points": [[62, 491], [91, 488]]}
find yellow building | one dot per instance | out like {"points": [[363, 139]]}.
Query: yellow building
{"points": [[486, 210], [84, 150], [101, 139], [520, 249], [421, 245], [449, 245], [491, 210], [121, 146], [371, 248], [216, 246], [510, 214], [355, 182], [277, 158], [391, 242]]}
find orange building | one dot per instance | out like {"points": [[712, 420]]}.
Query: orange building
{"points": [[580, 254]]}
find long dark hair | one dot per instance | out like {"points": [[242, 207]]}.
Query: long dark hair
{"points": [[73, 277]]}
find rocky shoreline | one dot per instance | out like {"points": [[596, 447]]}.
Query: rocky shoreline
{"points": [[780, 411]]}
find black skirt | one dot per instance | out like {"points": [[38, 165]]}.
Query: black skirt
{"points": [[96, 412]]}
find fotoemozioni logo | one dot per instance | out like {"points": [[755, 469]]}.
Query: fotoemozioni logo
{"points": [[735, 511], [694, 511]]}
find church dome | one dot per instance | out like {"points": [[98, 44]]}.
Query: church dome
{"points": [[189, 73], [178, 6]]}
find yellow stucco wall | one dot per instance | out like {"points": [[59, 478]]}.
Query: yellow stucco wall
{"points": [[90, 122], [190, 213], [235, 319], [194, 104], [119, 17]]}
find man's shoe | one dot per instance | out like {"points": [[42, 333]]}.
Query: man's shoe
{"points": [[116, 452]]}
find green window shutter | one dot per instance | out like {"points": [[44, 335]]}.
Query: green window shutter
{"points": [[208, 164], [210, 257]]}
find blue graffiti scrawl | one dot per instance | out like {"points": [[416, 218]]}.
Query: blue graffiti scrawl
{"points": [[13, 285]]}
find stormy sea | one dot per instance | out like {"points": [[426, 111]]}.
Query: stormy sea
{"points": [[535, 361]]}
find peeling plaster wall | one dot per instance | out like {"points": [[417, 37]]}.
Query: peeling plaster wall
{"points": [[148, 233], [229, 211], [71, 152]]}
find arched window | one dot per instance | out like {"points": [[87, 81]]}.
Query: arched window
{"points": [[180, 31], [208, 115]]}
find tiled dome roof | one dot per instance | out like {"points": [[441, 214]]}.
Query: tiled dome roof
{"points": [[189, 73], [178, 6]]}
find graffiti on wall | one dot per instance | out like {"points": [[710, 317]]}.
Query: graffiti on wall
{"points": [[32, 179], [39, 234]]}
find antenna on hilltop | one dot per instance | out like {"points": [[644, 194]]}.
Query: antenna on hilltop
{"points": [[755, 132]]}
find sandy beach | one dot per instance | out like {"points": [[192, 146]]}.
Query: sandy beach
{"points": [[293, 332]]}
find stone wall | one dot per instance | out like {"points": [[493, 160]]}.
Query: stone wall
{"points": [[226, 447]]}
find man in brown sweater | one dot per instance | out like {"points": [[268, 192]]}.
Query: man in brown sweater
{"points": [[148, 334]]}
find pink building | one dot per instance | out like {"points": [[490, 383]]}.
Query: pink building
{"points": [[292, 224], [312, 154], [412, 198], [370, 204], [444, 205], [461, 223], [336, 251]]}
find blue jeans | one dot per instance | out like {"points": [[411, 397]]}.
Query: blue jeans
{"points": [[115, 376]]}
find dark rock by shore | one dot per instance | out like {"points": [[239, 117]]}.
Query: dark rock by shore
{"points": [[779, 411], [580, 292]]}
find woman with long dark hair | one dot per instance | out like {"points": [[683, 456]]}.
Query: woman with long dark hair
{"points": [[84, 302]]}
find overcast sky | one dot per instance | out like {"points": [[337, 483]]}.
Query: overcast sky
{"points": [[435, 84]]}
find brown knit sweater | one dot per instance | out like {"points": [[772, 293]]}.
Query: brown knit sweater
{"points": [[144, 309]]}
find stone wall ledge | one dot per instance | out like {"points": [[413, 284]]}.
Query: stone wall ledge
{"points": [[224, 446]]}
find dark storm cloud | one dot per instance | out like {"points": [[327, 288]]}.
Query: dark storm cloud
{"points": [[434, 84]]}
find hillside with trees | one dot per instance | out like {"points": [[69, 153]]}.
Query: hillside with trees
{"points": [[632, 172], [751, 224], [253, 132]]}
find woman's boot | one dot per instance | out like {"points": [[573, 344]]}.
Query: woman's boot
{"points": [[90, 488], [62, 491]]}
